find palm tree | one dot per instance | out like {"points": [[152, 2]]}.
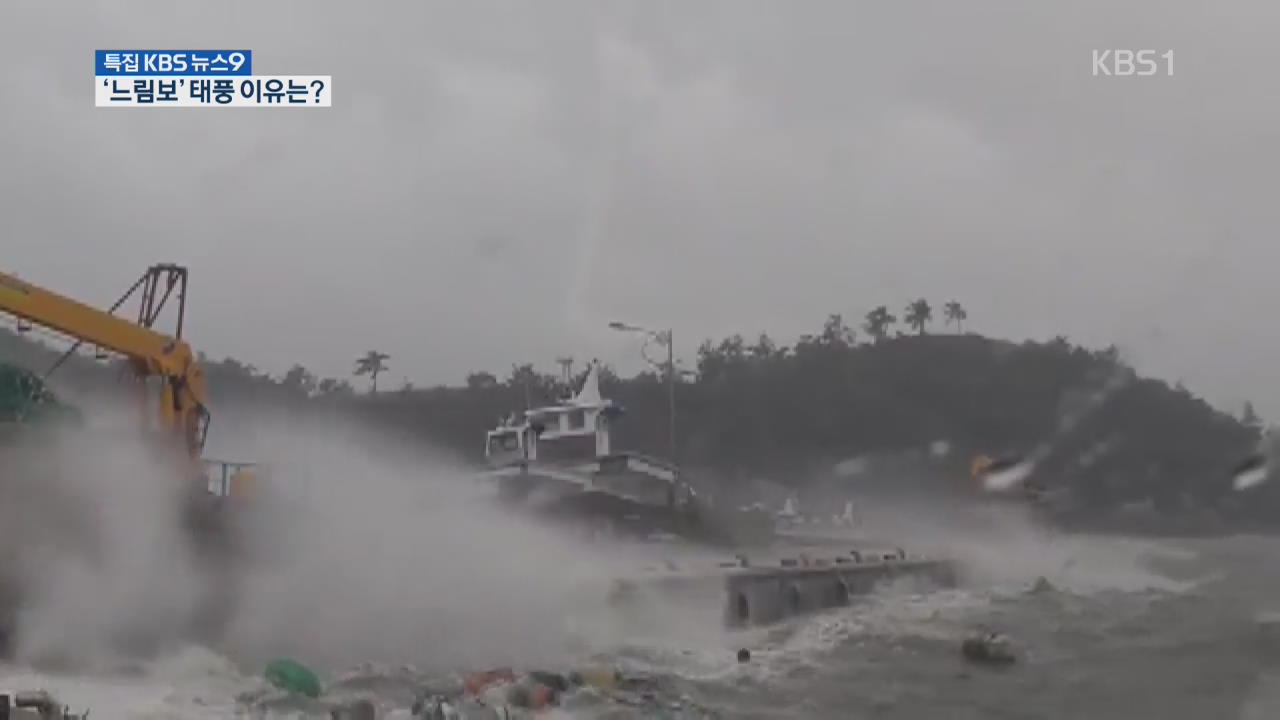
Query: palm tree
{"points": [[878, 323], [918, 314], [371, 364], [955, 314]]}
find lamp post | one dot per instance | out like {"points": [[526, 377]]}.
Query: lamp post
{"points": [[663, 337]]}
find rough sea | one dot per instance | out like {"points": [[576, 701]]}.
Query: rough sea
{"points": [[390, 586], [1103, 627]]}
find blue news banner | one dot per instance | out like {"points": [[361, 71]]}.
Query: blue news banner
{"points": [[199, 78]]}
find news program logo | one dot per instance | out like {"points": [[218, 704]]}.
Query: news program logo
{"points": [[1125, 63], [199, 78]]}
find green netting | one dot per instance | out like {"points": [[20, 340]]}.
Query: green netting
{"points": [[289, 674], [25, 398]]}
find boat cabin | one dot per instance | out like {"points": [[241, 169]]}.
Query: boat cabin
{"points": [[567, 447], [574, 430]]}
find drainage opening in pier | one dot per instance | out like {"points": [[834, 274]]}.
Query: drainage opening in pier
{"points": [[794, 601], [742, 608], [841, 593]]}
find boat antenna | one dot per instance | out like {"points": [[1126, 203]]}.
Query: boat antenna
{"points": [[566, 373]]}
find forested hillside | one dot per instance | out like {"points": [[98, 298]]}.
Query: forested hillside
{"points": [[758, 409]]}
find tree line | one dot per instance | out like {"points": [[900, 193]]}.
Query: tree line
{"points": [[877, 324], [789, 413]]}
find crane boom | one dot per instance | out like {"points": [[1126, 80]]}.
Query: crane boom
{"points": [[149, 352]]}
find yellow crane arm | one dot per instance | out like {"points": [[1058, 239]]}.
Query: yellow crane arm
{"points": [[182, 405]]}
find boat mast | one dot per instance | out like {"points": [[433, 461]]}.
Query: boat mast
{"points": [[566, 372]]}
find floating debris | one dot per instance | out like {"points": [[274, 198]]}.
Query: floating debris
{"points": [[503, 694], [357, 710], [600, 678], [35, 705], [1249, 473], [1006, 474], [1041, 586], [555, 681], [293, 676], [987, 648]]}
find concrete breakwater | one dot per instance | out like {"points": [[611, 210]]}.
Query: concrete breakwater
{"points": [[747, 591]]}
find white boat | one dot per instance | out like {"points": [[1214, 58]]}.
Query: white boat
{"points": [[562, 456], [566, 449]]}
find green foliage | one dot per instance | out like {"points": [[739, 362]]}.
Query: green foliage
{"points": [[878, 322], [956, 314], [918, 314], [24, 398], [760, 408]]}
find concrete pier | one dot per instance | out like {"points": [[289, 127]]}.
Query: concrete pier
{"points": [[761, 592], [758, 596]]}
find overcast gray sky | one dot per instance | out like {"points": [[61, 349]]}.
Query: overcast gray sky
{"points": [[495, 181]]}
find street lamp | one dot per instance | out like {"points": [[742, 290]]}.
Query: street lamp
{"points": [[663, 337]]}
